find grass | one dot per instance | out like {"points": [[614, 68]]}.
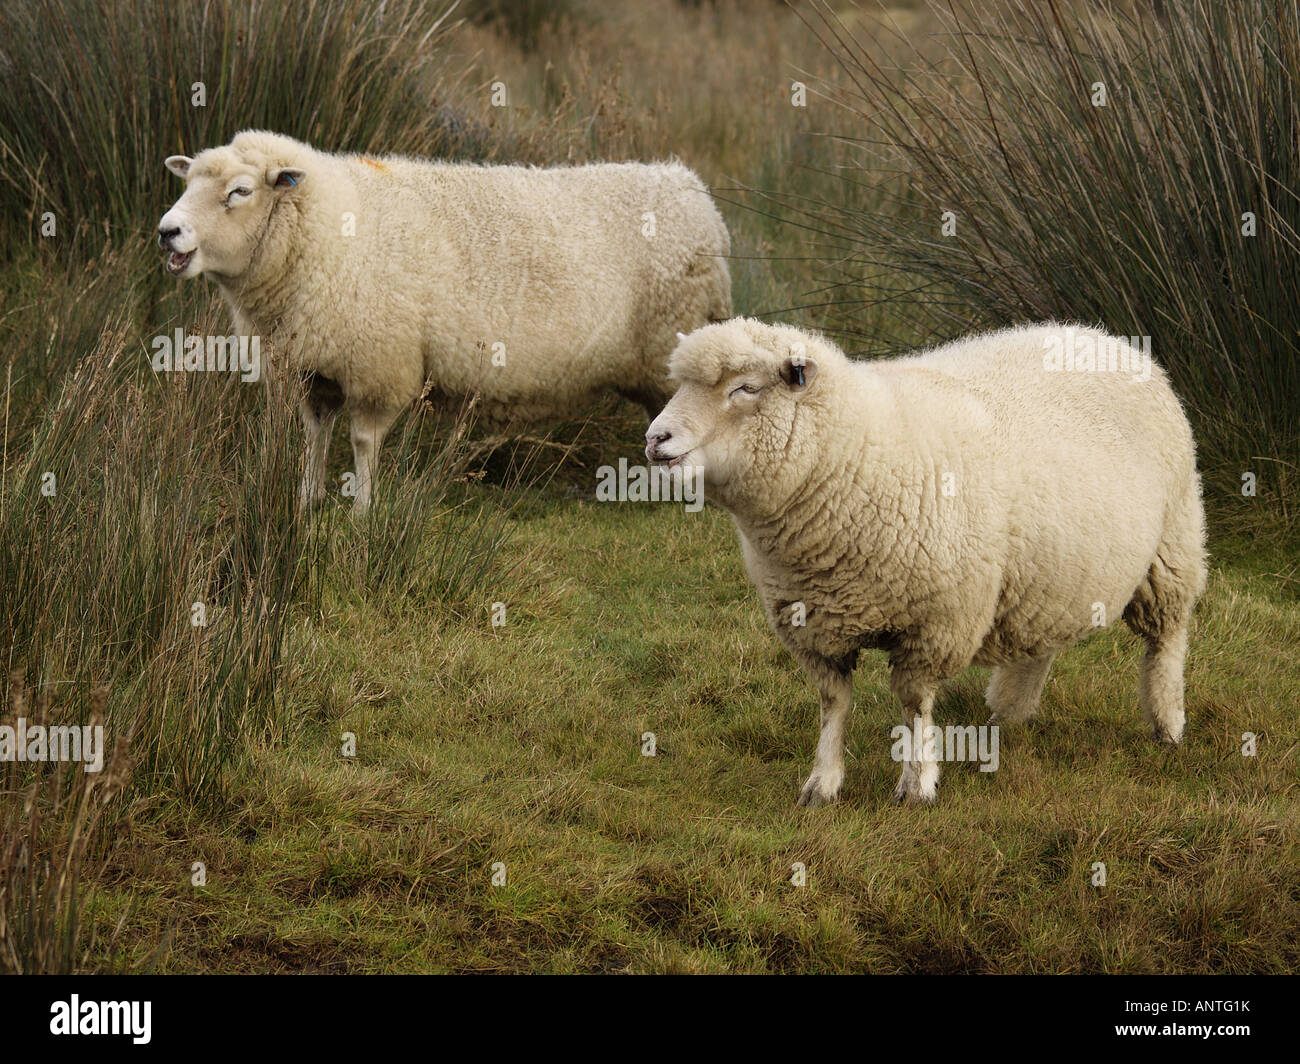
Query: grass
{"points": [[149, 547], [1112, 163], [114, 88], [51, 840], [520, 744]]}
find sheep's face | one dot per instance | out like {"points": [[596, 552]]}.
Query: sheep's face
{"points": [[217, 225], [734, 406]]}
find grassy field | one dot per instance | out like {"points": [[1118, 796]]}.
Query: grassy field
{"points": [[232, 834], [523, 745]]}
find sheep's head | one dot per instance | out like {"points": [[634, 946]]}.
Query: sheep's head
{"points": [[231, 192], [740, 385]]}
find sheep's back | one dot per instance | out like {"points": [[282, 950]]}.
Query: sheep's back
{"points": [[558, 266], [1067, 485]]}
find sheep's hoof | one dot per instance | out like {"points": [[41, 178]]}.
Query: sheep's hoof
{"points": [[1003, 718], [905, 797], [812, 796], [914, 799], [919, 787]]}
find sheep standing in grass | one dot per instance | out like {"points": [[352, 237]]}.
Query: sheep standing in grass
{"points": [[988, 502], [537, 289]]}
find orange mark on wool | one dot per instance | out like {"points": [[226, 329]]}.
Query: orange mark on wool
{"points": [[372, 162]]}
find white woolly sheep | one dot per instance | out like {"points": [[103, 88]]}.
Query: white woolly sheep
{"points": [[537, 289], [989, 502]]}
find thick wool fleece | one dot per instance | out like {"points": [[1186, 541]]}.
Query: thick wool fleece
{"points": [[964, 505], [378, 279], [384, 273]]}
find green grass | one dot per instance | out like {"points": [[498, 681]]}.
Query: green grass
{"points": [[521, 745]]}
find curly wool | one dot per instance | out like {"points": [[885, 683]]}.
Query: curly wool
{"points": [[963, 505], [536, 289]]}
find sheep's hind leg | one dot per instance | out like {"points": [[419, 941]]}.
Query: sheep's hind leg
{"points": [[1015, 689], [835, 685], [920, 776], [369, 427]]}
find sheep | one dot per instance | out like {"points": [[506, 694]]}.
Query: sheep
{"points": [[382, 279], [988, 502]]}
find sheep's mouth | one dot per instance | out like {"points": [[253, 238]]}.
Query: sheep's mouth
{"points": [[177, 261], [658, 458]]}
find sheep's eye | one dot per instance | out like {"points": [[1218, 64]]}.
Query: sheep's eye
{"points": [[230, 196], [743, 390]]}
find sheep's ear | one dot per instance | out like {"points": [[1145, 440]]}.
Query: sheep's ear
{"points": [[285, 176], [798, 372], [178, 164]]}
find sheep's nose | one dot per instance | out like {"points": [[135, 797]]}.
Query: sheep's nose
{"points": [[652, 441], [164, 235]]}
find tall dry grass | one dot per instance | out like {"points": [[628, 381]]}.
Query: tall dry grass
{"points": [[51, 822], [148, 538], [96, 94], [1131, 210], [149, 541]]}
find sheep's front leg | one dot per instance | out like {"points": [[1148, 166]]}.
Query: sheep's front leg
{"points": [[318, 431], [920, 776], [319, 408], [369, 427], [836, 689]]}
